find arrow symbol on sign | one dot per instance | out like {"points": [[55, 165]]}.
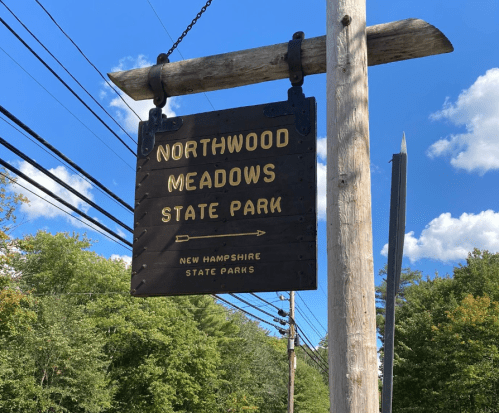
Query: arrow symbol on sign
{"points": [[184, 238]]}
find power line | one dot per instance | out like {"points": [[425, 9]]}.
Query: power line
{"points": [[71, 113], [307, 320], [315, 361], [88, 60], [257, 308], [180, 38], [63, 184], [65, 84], [66, 212], [62, 156], [246, 312], [311, 312], [66, 204], [265, 301], [67, 71], [307, 340]]}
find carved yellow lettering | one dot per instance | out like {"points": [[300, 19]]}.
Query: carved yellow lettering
{"points": [[189, 181], [215, 145], [190, 148], [237, 270], [187, 273], [249, 208], [205, 144], [252, 174], [212, 210], [235, 176], [220, 178], [235, 143], [190, 213], [178, 209], [282, 138], [166, 214], [261, 205], [257, 256], [251, 270], [205, 180], [175, 183], [202, 207], [270, 173], [165, 152], [177, 151], [267, 134], [275, 204], [251, 137], [234, 206]]}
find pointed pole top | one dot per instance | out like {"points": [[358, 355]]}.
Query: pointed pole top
{"points": [[403, 146]]}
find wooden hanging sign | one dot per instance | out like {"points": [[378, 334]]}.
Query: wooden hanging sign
{"points": [[227, 203]]}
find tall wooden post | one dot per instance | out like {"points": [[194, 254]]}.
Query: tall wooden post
{"points": [[352, 318]]}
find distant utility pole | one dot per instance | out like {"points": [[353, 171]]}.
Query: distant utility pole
{"points": [[291, 352]]}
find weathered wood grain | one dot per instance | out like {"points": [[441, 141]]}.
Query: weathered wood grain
{"points": [[353, 374], [389, 42]]}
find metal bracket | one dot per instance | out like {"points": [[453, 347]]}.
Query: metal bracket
{"points": [[294, 59], [297, 103], [154, 80], [158, 122]]}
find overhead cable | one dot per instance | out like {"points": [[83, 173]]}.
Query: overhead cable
{"points": [[68, 72], [66, 85], [66, 212], [62, 156], [62, 201], [311, 312], [307, 320], [63, 184], [60, 103], [308, 342], [174, 47], [88, 60], [246, 312], [265, 301], [255, 307], [315, 361]]}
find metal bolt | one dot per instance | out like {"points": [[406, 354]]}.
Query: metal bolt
{"points": [[346, 20], [144, 265], [133, 291]]}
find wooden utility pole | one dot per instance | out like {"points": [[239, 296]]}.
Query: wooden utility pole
{"points": [[291, 353], [353, 372], [344, 54]]}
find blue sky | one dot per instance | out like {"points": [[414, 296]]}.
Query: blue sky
{"points": [[448, 106]]}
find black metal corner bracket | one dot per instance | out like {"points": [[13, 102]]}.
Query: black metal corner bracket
{"points": [[296, 104], [158, 122]]}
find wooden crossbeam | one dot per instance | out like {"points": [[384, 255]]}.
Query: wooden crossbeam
{"points": [[389, 42]]}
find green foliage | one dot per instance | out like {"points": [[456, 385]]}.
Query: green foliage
{"points": [[72, 339], [311, 393], [446, 335]]}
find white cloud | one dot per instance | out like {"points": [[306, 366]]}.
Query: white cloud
{"points": [[322, 148], [124, 115], [451, 239], [476, 108], [125, 258], [321, 190], [120, 232], [38, 207]]}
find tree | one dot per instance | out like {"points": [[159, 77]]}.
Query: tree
{"points": [[446, 337], [311, 393]]}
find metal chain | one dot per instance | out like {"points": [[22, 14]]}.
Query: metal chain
{"points": [[189, 27]]}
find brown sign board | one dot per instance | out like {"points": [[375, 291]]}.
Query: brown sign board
{"points": [[227, 203]]}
